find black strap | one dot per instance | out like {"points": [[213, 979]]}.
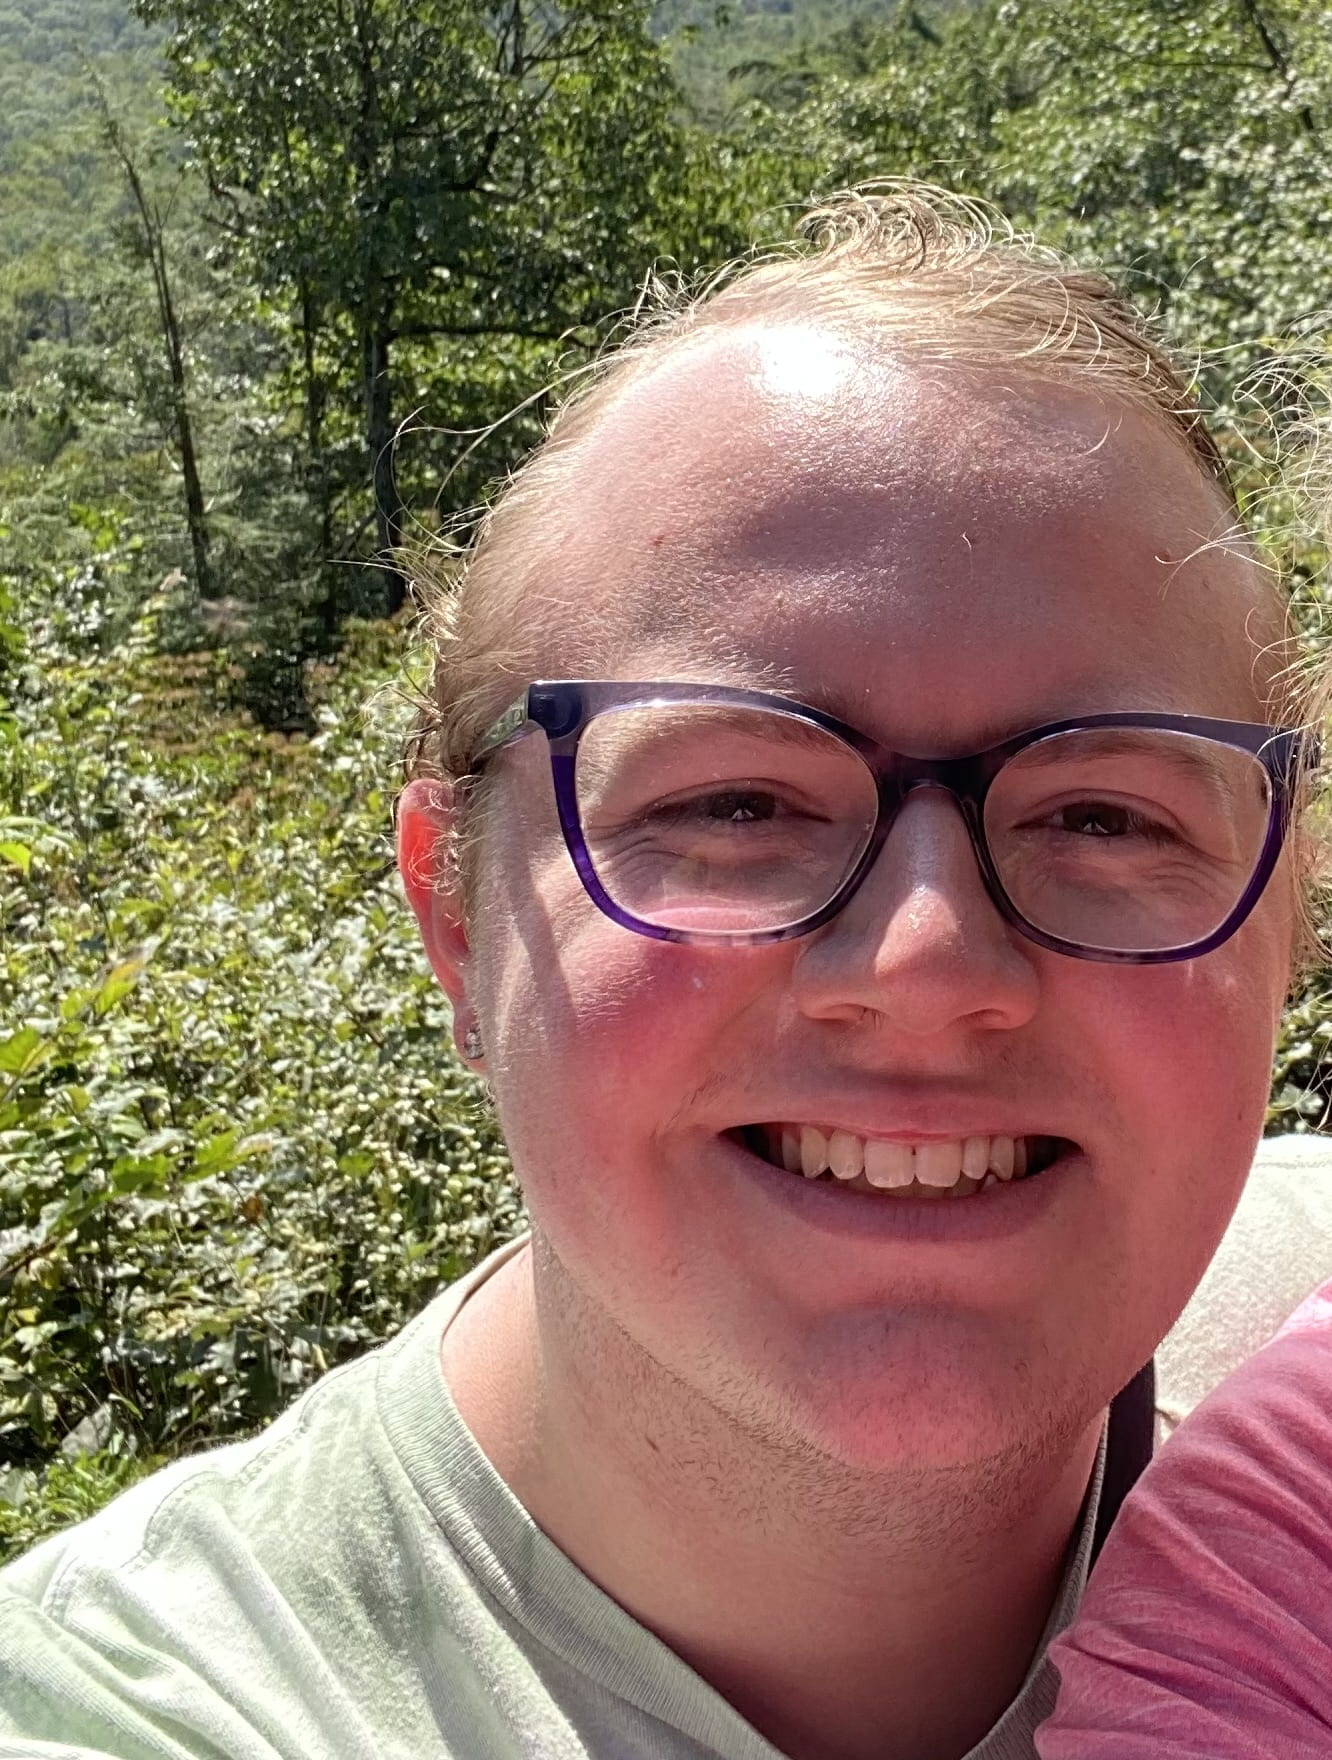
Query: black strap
{"points": [[1128, 1448]]}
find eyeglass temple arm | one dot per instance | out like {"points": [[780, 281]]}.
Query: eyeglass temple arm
{"points": [[511, 725]]}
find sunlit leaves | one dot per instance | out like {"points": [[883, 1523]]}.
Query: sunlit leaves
{"points": [[436, 200], [235, 1144]]}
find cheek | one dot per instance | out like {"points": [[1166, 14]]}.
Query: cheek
{"points": [[1193, 1041], [602, 1056], [1186, 1051], [610, 1033], [1194, 1046]]}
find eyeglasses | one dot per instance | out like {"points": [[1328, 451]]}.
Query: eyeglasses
{"points": [[706, 814]]}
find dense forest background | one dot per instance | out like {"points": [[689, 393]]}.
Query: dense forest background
{"points": [[271, 273]]}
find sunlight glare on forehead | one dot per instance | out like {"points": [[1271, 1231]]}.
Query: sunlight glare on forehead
{"points": [[801, 361]]}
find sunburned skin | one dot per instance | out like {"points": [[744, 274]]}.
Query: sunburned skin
{"points": [[873, 1414]]}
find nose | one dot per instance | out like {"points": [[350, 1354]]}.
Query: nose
{"points": [[921, 944]]}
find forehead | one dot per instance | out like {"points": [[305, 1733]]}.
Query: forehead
{"points": [[930, 543]]}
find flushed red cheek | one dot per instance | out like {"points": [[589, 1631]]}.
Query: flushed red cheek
{"points": [[622, 1047], [1190, 1052], [650, 1006]]}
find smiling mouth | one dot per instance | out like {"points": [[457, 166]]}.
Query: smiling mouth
{"points": [[954, 1169]]}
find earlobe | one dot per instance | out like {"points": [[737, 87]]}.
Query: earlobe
{"points": [[425, 823]]}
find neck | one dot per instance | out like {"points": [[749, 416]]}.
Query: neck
{"points": [[838, 1617]]}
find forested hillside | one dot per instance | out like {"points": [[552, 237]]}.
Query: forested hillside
{"points": [[263, 301], [54, 178]]}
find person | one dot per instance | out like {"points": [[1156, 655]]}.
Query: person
{"points": [[1207, 1630], [857, 820]]}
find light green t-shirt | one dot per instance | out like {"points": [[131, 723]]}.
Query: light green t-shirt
{"points": [[357, 1583]]}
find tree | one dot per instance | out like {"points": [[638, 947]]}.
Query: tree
{"points": [[420, 181], [152, 220], [1187, 144]]}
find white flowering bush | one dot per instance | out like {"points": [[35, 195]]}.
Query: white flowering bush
{"points": [[236, 1145]]}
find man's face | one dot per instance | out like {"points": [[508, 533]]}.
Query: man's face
{"points": [[943, 560]]}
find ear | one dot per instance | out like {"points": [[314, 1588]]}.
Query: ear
{"points": [[425, 822]]}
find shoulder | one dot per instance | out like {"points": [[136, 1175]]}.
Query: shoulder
{"points": [[210, 1591], [1262, 1443], [1277, 1248], [243, 1485], [1235, 1514], [1207, 1625]]}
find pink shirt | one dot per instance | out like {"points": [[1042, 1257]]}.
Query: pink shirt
{"points": [[1207, 1627]]}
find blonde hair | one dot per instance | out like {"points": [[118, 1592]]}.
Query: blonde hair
{"points": [[930, 275]]}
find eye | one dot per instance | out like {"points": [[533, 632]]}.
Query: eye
{"points": [[1095, 819], [1106, 819], [738, 806]]}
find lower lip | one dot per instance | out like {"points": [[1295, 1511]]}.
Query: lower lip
{"points": [[1010, 1208]]}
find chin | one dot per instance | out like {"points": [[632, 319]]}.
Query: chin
{"points": [[938, 1411]]}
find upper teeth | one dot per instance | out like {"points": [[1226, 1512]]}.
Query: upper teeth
{"points": [[965, 1163]]}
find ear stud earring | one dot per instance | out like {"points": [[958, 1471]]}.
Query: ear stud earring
{"points": [[471, 1044]]}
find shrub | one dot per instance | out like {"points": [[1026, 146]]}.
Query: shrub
{"points": [[236, 1145]]}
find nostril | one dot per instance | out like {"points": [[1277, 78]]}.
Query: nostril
{"points": [[918, 954]]}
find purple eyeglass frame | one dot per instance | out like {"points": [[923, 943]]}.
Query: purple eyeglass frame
{"points": [[563, 708]]}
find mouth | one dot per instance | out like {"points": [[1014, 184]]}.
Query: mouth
{"points": [[888, 1168]]}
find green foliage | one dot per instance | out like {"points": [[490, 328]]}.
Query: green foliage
{"points": [[52, 171], [435, 199], [419, 234], [235, 1144], [1302, 1074], [1186, 145], [34, 1506]]}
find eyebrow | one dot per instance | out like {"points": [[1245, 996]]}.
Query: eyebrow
{"points": [[681, 665], [780, 729], [1181, 752]]}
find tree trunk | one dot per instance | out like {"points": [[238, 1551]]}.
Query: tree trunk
{"points": [[314, 407], [390, 514], [153, 230], [318, 485], [180, 404]]}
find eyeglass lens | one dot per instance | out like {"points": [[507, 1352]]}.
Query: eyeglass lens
{"points": [[718, 818]]}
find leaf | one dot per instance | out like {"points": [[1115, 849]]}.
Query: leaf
{"points": [[30, 1339], [120, 980], [76, 1002], [18, 855], [21, 1053], [215, 1154], [138, 1175]]}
